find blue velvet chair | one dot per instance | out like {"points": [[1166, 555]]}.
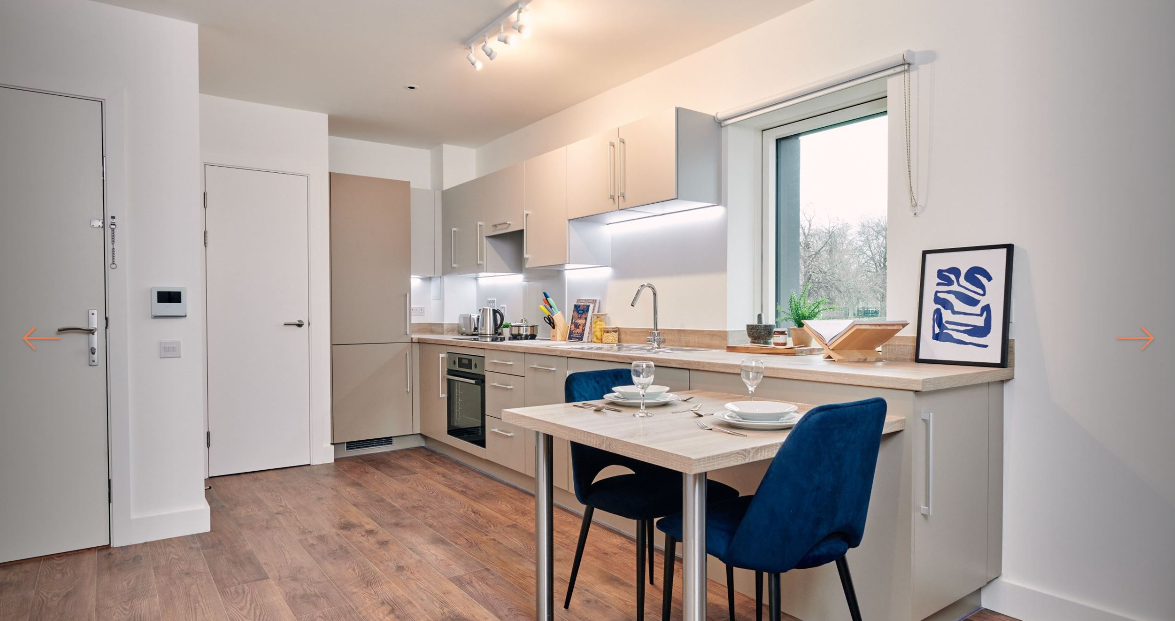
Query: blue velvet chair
{"points": [[646, 494], [809, 509]]}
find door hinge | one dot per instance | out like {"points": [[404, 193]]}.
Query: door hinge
{"points": [[207, 439], [205, 239], [109, 492]]}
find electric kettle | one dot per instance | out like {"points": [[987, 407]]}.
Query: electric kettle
{"points": [[490, 321]]}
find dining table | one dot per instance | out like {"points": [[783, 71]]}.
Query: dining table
{"points": [[671, 438]]}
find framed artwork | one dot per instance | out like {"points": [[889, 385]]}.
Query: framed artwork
{"points": [[578, 323], [964, 301]]}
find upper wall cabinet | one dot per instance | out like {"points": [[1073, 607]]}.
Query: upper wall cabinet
{"points": [[665, 162], [549, 239], [425, 219], [474, 210]]}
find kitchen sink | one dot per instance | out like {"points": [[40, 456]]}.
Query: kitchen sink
{"points": [[627, 348]]}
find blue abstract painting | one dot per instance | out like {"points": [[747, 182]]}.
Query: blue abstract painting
{"points": [[963, 305]]}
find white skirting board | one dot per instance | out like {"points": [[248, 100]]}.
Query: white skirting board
{"points": [[145, 528], [1023, 602]]}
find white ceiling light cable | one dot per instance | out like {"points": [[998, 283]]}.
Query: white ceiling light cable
{"points": [[514, 15]]}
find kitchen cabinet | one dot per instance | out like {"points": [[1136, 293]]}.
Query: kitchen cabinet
{"points": [[425, 216], [506, 444], [545, 376], [478, 216], [432, 402], [503, 392], [674, 378], [460, 239], [371, 391], [591, 175], [500, 197], [545, 214]]}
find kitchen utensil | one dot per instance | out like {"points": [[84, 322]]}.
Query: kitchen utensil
{"points": [[523, 331], [787, 422], [760, 410], [709, 428], [634, 392], [490, 321], [684, 399], [760, 333], [693, 409], [752, 373]]}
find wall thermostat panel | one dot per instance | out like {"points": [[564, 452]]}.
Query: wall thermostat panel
{"points": [[169, 301]]}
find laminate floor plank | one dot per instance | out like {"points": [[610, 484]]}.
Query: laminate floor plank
{"points": [[370, 592], [304, 586], [17, 582], [229, 558], [67, 588], [342, 613], [186, 589], [126, 585], [256, 601]]}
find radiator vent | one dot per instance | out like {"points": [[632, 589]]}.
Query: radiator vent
{"points": [[366, 444]]}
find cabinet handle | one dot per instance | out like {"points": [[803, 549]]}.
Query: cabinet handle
{"points": [[611, 171], [408, 313], [453, 248], [505, 362], [501, 224], [480, 241], [505, 433], [441, 376], [525, 223], [551, 369], [497, 385], [408, 366], [928, 508], [623, 174]]}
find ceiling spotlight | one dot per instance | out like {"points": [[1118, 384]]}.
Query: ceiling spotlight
{"points": [[521, 27], [508, 39], [473, 61], [490, 52]]}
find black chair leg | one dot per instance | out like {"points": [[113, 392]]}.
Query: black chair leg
{"points": [[758, 596], [776, 607], [641, 550], [583, 533], [730, 590], [846, 582], [667, 582], [652, 549]]}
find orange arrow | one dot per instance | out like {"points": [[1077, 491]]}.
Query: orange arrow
{"points": [[1148, 338], [28, 338]]}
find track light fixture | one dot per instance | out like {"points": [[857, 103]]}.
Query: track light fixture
{"points": [[473, 61], [514, 16]]}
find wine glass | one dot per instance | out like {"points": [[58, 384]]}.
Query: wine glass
{"points": [[642, 376], [752, 374]]}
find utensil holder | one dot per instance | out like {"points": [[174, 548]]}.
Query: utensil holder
{"points": [[559, 332]]}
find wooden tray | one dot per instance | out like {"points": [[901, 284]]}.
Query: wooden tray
{"points": [[773, 350]]}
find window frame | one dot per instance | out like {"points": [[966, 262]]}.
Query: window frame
{"points": [[768, 206]]}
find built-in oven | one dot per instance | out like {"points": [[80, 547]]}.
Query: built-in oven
{"points": [[465, 384]]}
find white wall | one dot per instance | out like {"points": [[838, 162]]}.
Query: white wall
{"points": [[1045, 124], [250, 135], [386, 161], [146, 69]]}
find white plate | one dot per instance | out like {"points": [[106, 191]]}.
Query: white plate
{"points": [[734, 421], [761, 410], [662, 400], [634, 393]]}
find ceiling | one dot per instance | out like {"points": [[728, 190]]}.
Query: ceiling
{"points": [[352, 58]]}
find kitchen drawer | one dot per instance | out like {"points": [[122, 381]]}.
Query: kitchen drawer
{"points": [[503, 392], [506, 444], [545, 377], [513, 363]]}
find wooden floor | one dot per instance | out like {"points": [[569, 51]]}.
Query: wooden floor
{"points": [[406, 535]]}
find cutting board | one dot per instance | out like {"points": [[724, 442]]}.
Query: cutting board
{"points": [[772, 350]]}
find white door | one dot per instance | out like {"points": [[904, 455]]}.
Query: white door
{"points": [[258, 306], [53, 430]]}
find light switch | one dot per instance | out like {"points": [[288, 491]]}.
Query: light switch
{"points": [[417, 311], [169, 349]]}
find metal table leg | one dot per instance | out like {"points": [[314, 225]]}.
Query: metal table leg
{"points": [[693, 597], [544, 530]]}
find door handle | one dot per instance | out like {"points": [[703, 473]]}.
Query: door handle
{"points": [[91, 332], [611, 171], [296, 324], [453, 248], [480, 241], [525, 225], [551, 369], [505, 433], [441, 376], [497, 385], [501, 224], [408, 313], [408, 366], [622, 175], [928, 508]]}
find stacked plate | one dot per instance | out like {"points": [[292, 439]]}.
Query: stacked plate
{"points": [[631, 396], [765, 415]]}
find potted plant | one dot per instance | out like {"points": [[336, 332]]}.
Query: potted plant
{"points": [[800, 309]]}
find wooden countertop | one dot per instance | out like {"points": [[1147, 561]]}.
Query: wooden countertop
{"points": [[667, 439], [888, 374]]}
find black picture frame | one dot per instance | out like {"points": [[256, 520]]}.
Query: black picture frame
{"points": [[1006, 305]]}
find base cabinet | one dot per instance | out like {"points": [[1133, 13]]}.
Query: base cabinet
{"points": [[434, 405], [371, 394]]}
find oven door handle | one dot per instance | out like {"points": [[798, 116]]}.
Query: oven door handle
{"points": [[462, 379]]}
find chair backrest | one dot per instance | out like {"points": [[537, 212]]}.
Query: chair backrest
{"points": [[587, 461], [816, 488]]}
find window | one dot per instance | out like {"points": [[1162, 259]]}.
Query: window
{"points": [[828, 209]]}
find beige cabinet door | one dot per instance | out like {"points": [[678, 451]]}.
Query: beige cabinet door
{"points": [[591, 175], [506, 444], [545, 376], [503, 392], [648, 160], [370, 260], [460, 231], [544, 241], [433, 403], [424, 233], [371, 391], [500, 200]]}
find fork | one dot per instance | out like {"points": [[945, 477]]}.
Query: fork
{"points": [[693, 409], [595, 407], [709, 428]]}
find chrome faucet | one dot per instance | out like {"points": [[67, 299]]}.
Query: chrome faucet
{"points": [[655, 339]]}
